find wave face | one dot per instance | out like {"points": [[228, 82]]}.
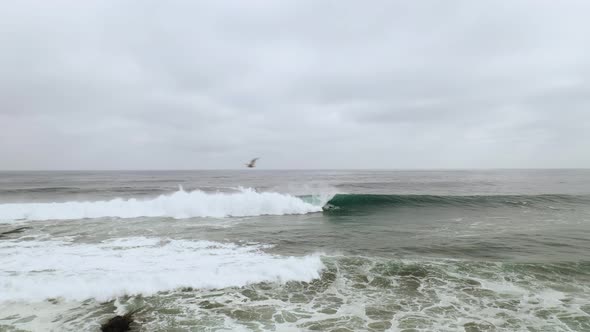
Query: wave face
{"points": [[360, 201], [138, 265], [180, 204]]}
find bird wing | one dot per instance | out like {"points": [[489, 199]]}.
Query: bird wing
{"points": [[253, 162]]}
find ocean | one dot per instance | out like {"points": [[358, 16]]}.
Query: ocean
{"points": [[329, 250]]}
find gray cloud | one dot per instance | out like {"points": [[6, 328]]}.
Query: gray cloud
{"points": [[303, 84]]}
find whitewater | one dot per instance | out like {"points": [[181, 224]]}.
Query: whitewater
{"points": [[179, 205], [138, 265]]}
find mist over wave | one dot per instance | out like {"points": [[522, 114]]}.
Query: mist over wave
{"points": [[180, 204]]}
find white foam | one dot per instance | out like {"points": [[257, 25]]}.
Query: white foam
{"points": [[180, 204], [37, 270]]}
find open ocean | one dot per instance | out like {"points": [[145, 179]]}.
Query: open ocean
{"points": [[257, 250]]}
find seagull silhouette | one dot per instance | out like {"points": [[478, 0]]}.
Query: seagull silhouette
{"points": [[252, 163]]}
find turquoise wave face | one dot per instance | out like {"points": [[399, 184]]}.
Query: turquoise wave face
{"points": [[360, 201]]}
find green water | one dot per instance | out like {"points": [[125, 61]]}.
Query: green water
{"points": [[499, 251]]}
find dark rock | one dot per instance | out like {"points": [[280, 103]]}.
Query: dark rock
{"points": [[118, 323]]}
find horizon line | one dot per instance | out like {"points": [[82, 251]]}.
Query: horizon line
{"points": [[295, 169]]}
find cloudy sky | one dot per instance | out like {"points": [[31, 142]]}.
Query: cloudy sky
{"points": [[302, 84]]}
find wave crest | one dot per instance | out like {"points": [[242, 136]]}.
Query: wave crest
{"points": [[180, 204]]}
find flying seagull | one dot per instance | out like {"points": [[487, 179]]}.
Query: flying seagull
{"points": [[252, 163]]}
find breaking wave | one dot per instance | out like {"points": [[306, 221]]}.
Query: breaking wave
{"points": [[180, 204]]}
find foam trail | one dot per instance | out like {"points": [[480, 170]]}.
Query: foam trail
{"points": [[180, 204], [138, 265]]}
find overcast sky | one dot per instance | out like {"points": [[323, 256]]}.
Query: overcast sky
{"points": [[301, 84]]}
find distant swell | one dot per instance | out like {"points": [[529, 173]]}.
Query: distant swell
{"points": [[180, 204], [360, 201]]}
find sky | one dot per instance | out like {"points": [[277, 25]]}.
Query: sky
{"points": [[300, 84]]}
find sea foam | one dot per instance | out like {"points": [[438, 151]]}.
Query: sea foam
{"points": [[37, 270], [180, 204]]}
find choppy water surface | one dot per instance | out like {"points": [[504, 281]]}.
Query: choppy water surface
{"points": [[296, 251]]}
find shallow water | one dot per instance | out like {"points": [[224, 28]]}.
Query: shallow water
{"points": [[254, 250]]}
